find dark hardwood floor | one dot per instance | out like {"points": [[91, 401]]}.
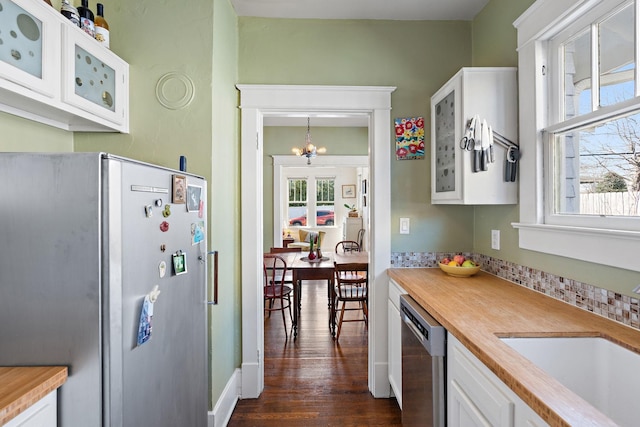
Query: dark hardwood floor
{"points": [[315, 381]]}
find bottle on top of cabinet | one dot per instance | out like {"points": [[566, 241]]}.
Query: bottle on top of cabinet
{"points": [[70, 12], [491, 94], [102, 27], [86, 18]]}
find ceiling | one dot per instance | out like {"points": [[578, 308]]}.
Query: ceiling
{"points": [[416, 10], [404, 10]]}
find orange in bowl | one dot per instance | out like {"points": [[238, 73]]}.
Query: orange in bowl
{"points": [[457, 271]]}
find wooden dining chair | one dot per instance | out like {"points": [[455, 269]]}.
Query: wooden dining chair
{"points": [[277, 295], [347, 246], [289, 275], [351, 288], [360, 238]]}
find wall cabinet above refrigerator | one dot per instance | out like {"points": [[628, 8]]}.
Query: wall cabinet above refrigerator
{"points": [[491, 95], [54, 73]]}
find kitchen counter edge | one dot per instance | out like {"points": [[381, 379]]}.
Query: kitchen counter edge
{"points": [[22, 386]]}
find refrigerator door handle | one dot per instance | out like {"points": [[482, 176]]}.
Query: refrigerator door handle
{"points": [[215, 277]]}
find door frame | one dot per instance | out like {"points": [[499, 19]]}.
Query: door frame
{"points": [[258, 101]]}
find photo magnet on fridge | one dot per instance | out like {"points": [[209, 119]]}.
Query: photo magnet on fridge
{"points": [[179, 263]]}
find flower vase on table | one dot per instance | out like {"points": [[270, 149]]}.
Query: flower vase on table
{"points": [[312, 254]]}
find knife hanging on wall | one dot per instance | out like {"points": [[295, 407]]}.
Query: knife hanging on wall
{"points": [[477, 146]]}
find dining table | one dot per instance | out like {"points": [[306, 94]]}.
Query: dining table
{"points": [[320, 269]]}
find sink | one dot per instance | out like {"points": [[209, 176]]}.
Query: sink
{"points": [[603, 373]]}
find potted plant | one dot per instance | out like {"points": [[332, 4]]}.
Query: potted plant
{"points": [[353, 211]]}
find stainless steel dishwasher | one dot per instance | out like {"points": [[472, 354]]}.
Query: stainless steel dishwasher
{"points": [[423, 366]]}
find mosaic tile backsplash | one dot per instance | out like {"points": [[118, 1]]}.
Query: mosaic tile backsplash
{"points": [[612, 305]]}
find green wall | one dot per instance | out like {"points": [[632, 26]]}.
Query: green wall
{"points": [[225, 318], [20, 135], [494, 43], [415, 56]]}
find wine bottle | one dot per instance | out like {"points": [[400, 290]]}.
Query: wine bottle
{"points": [[86, 18], [70, 12], [102, 27]]}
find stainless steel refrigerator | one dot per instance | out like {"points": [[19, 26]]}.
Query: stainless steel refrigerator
{"points": [[84, 240]]}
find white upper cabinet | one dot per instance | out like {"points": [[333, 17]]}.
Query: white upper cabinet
{"points": [[54, 73], [456, 176]]}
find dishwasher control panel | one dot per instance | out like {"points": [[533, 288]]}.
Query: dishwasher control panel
{"points": [[431, 334]]}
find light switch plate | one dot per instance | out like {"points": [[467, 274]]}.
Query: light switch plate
{"points": [[405, 225]]}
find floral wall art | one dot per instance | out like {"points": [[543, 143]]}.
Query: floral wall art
{"points": [[409, 138]]}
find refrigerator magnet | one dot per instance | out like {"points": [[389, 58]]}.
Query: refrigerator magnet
{"points": [[164, 226], [144, 325], [194, 195], [179, 263], [179, 189], [197, 232], [167, 211], [162, 269], [148, 211]]}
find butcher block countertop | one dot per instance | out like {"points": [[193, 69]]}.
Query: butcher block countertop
{"points": [[22, 386], [478, 310]]}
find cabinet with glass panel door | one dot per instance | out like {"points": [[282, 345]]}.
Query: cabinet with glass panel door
{"points": [[54, 73], [489, 94]]}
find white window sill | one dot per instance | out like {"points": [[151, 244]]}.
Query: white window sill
{"points": [[616, 248]]}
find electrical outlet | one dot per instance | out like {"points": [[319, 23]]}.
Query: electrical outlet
{"points": [[495, 239], [405, 225]]}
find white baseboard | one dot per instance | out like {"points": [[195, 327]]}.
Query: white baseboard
{"points": [[225, 405]]}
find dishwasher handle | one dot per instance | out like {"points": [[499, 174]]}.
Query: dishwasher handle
{"points": [[431, 334], [414, 329]]}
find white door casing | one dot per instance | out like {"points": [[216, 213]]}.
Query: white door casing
{"points": [[256, 101]]}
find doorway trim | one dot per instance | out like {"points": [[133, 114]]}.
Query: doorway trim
{"points": [[256, 101]]}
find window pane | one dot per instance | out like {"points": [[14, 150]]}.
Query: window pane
{"points": [[597, 169], [577, 75], [297, 203], [617, 64], [325, 209]]}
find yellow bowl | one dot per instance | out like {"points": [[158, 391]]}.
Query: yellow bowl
{"points": [[456, 271]]}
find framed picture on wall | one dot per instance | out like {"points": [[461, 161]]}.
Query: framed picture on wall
{"points": [[349, 191]]}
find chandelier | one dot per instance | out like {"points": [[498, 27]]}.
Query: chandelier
{"points": [[308, 150]]}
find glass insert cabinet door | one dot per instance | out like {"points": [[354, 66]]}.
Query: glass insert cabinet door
{"points": [[446, 156], [95, 78], [28, 43], [445, 149]]}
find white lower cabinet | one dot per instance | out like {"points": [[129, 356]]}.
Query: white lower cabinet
{"points": [[43, 413], [477, 397], [395, 340]]}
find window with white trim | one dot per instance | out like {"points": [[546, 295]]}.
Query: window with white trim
{"points": [[325, 201], [297, 210], [579, 130], [592, 169], [301, 201]]}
